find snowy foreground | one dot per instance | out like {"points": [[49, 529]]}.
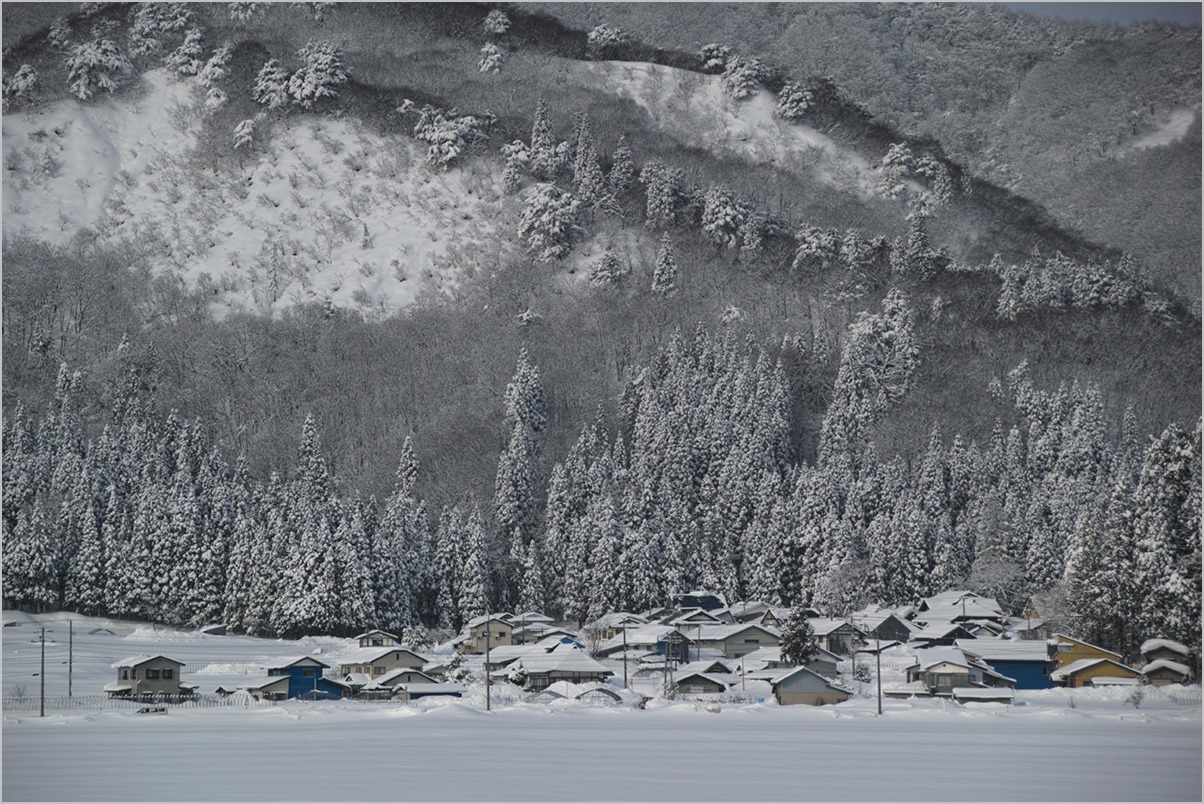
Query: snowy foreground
{"points": [[1042, 748]]}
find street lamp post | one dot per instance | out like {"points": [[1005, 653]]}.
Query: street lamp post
{"points": [[42, 678]]}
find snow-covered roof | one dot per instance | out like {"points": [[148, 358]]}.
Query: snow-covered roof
{"points": [[1151, 645], [445, 688], [644, 635], [714, 633], [969, 610], [529, 617], [722, 679], [928, 657], [370, 655], [1057, 638], [617, 619], [783, 675], [572, 660], [709, 666], [1012, 650], [263, 682], [289, 661], [135, 661], [1166, 664], [1114, 681], [118, 686], [1062, 673], [357, 679], [822, 626], [981, 693], [484, 618], [939, 630], [367, 634], [398, 673]]}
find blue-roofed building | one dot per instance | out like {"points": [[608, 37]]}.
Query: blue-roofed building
{"points": [[1027, 661], [297, 678]]}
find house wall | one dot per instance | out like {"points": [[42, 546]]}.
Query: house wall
{"points": [[699, 686], [502, 634], [741, 644], [1029, 675], [1067, 656], [150, 686], [390, 662], [811, 698], [1105, 670], [1163, 676]]}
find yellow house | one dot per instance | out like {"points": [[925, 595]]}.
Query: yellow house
{"points": [[1095, 672], [1070, 650]]}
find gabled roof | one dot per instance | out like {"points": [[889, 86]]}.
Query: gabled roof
{"points": [[264, 682], [775, 682], [1151, 645], [504, 617], [1008, 650], [367, 634], [929, 657], [1056, 638], [822, 626], [289, 661], [709, 666], [530, 617], [369, 655], [1063, 673], [724, 681], [644, 635], [714, 633], [136, 661], [392, 675], [1166, 664], [576, 661], [940, 630], [356, 679], [617, 619]]}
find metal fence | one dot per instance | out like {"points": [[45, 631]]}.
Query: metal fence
{"points": [[1187, 697], [96, 703]]}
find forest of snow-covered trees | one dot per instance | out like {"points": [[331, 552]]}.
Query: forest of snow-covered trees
{"points": [[696, 484]]}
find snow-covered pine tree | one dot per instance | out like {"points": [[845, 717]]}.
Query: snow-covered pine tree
{"points": [[622, 172], [548, 222], [474, 592], [665, 273], [189, 57], [544, 159], [496, 22], [518, 156], [491, 60], [798, 638], [98, 65], [322, 71], [607, 271], [793, 101], [271, 85], [661, 190]]}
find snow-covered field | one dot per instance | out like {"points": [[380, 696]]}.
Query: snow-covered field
{"points": [[1042, 748], [321, 210]]}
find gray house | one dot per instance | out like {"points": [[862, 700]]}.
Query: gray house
{"points": [[146, 676], [803, 685]]}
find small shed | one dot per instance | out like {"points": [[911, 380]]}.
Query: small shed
{"points": [[1096, 672], [1161, 672], [415, 691], [1001, 695], [803, 685], [1154, 649]]}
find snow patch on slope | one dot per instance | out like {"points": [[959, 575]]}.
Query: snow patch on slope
{"points": [[324, 211], [1165, 132], [695, 110]]}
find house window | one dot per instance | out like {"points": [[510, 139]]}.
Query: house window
{"points": [[501, 634], [753, 640], [125, 674], [378, 671], [1064, 648], [307, 672], [168, 672], [151, 674]]}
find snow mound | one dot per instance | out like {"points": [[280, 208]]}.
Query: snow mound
{"points": [[1165, 132], [695, 110], [324, 210]]}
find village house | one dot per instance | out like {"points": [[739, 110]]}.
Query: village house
{"points": [[802, 685], [736, 639], [296, 678], [698, 599], [486, 631], [1028, 661], [662, 640], [877, 623], [1161, 672], [414, 691], [146, 676], [698, 683], [542, 669], [941, 635], [939, 671], [1154, 649], [376, 639], [377, 661], [609, 625], [837, 636], [1068, 650], [1097, 672]]}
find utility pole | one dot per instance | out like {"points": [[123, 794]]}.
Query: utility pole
{"points": [[878, 656], [70, 654], [488, 679], [625, 684], [42, 677]]}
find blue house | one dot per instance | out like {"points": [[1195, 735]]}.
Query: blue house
{"points": [[1025, 660], [297, 678]]}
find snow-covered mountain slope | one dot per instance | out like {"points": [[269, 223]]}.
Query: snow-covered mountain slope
{"points": [[322, 210], [695, 110]]}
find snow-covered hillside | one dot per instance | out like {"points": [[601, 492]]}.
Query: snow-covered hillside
{"points": [[695, 110], [322, 210]]}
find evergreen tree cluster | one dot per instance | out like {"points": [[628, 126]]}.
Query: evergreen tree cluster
{"points": [[696, 484]]}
